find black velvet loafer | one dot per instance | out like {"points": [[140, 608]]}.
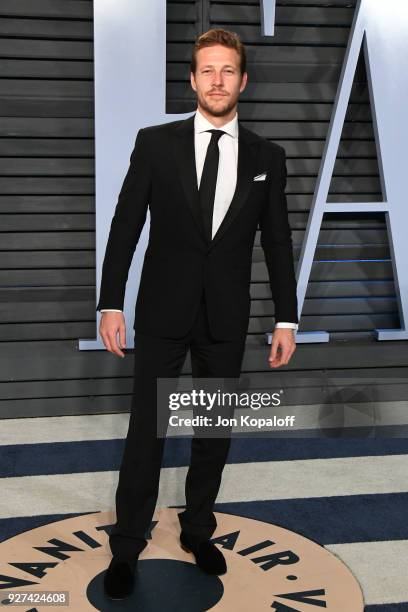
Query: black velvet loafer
{"points": [[208, 557], [119, 579]]}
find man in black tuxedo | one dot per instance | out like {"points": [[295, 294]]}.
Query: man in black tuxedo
{"points": [[209, 183]]}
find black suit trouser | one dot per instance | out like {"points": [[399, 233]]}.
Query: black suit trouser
{"points": [[138, 484]]}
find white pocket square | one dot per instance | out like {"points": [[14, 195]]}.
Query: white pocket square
{"points": [[260, 177]]}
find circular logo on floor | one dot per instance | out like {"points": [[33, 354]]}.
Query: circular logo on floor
{"points": [[269, 568]]}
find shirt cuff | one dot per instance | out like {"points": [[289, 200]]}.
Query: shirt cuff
{"points": [[293, 326], [110, 310]]}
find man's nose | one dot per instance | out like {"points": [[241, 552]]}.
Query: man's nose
{"points": [[217, 80]]}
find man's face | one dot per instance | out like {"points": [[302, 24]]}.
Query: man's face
{"points": [[218, 80]]}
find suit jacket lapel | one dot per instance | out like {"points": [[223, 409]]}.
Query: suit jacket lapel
{"points": [[248, 147], [184, 154]]}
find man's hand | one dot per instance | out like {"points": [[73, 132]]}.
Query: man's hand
{"points": [[283, 347], [111, 324]]}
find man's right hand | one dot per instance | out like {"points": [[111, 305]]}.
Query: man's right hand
{"points": [[112, 324]]}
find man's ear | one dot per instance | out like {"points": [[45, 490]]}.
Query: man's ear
{"points": [[192, 81], [243, 82]]}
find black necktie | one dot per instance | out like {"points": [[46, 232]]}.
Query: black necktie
{"points": [[208, 181]]}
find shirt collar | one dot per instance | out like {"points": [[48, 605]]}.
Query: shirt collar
{"points": [[201, 124]]}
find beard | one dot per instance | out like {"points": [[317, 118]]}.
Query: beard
{"points": [[216, 108]]}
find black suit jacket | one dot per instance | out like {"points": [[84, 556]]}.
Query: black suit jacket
{"points": [[179, 263]]}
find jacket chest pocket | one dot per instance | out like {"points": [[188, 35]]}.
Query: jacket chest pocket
{"points": [[259, 190]]}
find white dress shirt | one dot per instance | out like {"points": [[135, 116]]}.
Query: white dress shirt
{"points": [[227, 172], [227, 165]]}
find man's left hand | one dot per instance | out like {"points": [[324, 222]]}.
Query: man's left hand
{"points": [[283, 346]]}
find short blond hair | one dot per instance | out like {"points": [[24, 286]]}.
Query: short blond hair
{"points": [[219, 36]]}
